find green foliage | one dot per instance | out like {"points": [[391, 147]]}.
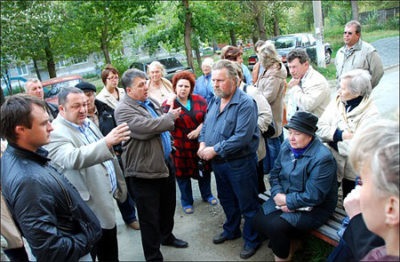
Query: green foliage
{"points": [[314, 250], [121, 63]]}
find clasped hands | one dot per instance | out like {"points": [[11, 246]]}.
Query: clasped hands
{"points": [[280, 201]]}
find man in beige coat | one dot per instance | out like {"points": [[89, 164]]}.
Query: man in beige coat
{"points": [[308, 90], [88, 161]]}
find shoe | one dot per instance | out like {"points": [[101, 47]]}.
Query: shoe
{"points": [[188, 209], [178, 243], [134, 225], [221, 238], [248, 252], [212, 201]]}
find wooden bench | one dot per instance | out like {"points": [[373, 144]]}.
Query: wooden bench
{"points": [[328, 231]]}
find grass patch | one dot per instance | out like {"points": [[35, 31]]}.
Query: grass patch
{"points": [[329, 72], [314, 250]]}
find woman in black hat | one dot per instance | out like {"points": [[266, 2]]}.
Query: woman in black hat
{"points": [[303, 188]]}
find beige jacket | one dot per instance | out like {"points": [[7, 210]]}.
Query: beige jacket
{"points": [[106, 97], [272, 85], [313, 96], [264, 116], [335, 117]]}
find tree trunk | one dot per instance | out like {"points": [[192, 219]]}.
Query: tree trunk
{"points": [[233, 37], [35, 66], [188, 31], [198, 57], [259, 18], [51, 65], [276, 25], [354, 9], [104, 49]]}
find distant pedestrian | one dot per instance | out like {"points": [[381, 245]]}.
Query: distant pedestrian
{"points": [[204, 85], [34, 87], [358, 54], [110, 94], [229, 139]]}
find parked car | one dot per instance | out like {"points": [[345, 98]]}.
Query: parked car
{"points": [[52, 86], [171, 64], [253, 59], [286, 43]]}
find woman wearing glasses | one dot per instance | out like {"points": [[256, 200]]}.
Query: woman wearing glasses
{"points": [[111, 94]]}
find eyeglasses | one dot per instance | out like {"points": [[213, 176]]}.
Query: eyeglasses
{"points": [[347, 33], [113, 78]]}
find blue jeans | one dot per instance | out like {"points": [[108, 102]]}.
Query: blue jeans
{"points": [[127, 209], [237, 191], [273, 146], [185, 186]]}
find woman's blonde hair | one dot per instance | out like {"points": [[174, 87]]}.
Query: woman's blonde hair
{"points": [[268, 55]]}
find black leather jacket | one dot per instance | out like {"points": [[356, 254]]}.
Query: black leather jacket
{"points": [[57, 223]]}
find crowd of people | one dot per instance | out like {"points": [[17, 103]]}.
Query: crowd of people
{"points": [[62, 167]]}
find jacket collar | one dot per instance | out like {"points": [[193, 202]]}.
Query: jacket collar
{"points": [[39, 156]]}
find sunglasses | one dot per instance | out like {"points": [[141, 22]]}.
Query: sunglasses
{"points": [[347, 33]]}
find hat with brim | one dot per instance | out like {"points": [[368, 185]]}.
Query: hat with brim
{"points": [[86, 86], [304, 122]]}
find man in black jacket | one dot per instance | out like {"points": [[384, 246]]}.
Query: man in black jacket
{"points": [[53, 218]]}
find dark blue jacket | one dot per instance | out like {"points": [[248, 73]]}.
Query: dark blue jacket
{"points": [[309, 181], [50, 213]]}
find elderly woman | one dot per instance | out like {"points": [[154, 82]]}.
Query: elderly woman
{"points": [[375, 155], [272, 84], [204, 85], [187, 130], [160, 88], [111, 94], [303, 188], [341, 119]]}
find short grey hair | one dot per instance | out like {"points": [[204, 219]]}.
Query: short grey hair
{"points": [[299, 53], [159, 65], [62, 96], [268, 55], [129, 76], [377, 145], [360, 82], [208, 61], [32, 80], [356, 23], [230, 67]]}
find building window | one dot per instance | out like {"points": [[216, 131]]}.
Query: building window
{"points": [[22, 70], [79, 60]]}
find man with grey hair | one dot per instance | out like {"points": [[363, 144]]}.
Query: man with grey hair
{"points": [[308, 90], [357, 54], [229, 140], [149, 169], [90, 164], [34, 87]]}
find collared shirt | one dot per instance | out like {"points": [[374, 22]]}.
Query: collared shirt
{"points": [[89, 136], [165, 136], [233, 132]]}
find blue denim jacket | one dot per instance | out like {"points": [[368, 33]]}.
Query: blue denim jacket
{"points": [[233, 132], [309, 181]]}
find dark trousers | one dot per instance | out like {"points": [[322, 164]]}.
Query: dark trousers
{"points": [[185, 186], [127, 209], [260, 176], [155, 203], [278, 230], [106, 248]]}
